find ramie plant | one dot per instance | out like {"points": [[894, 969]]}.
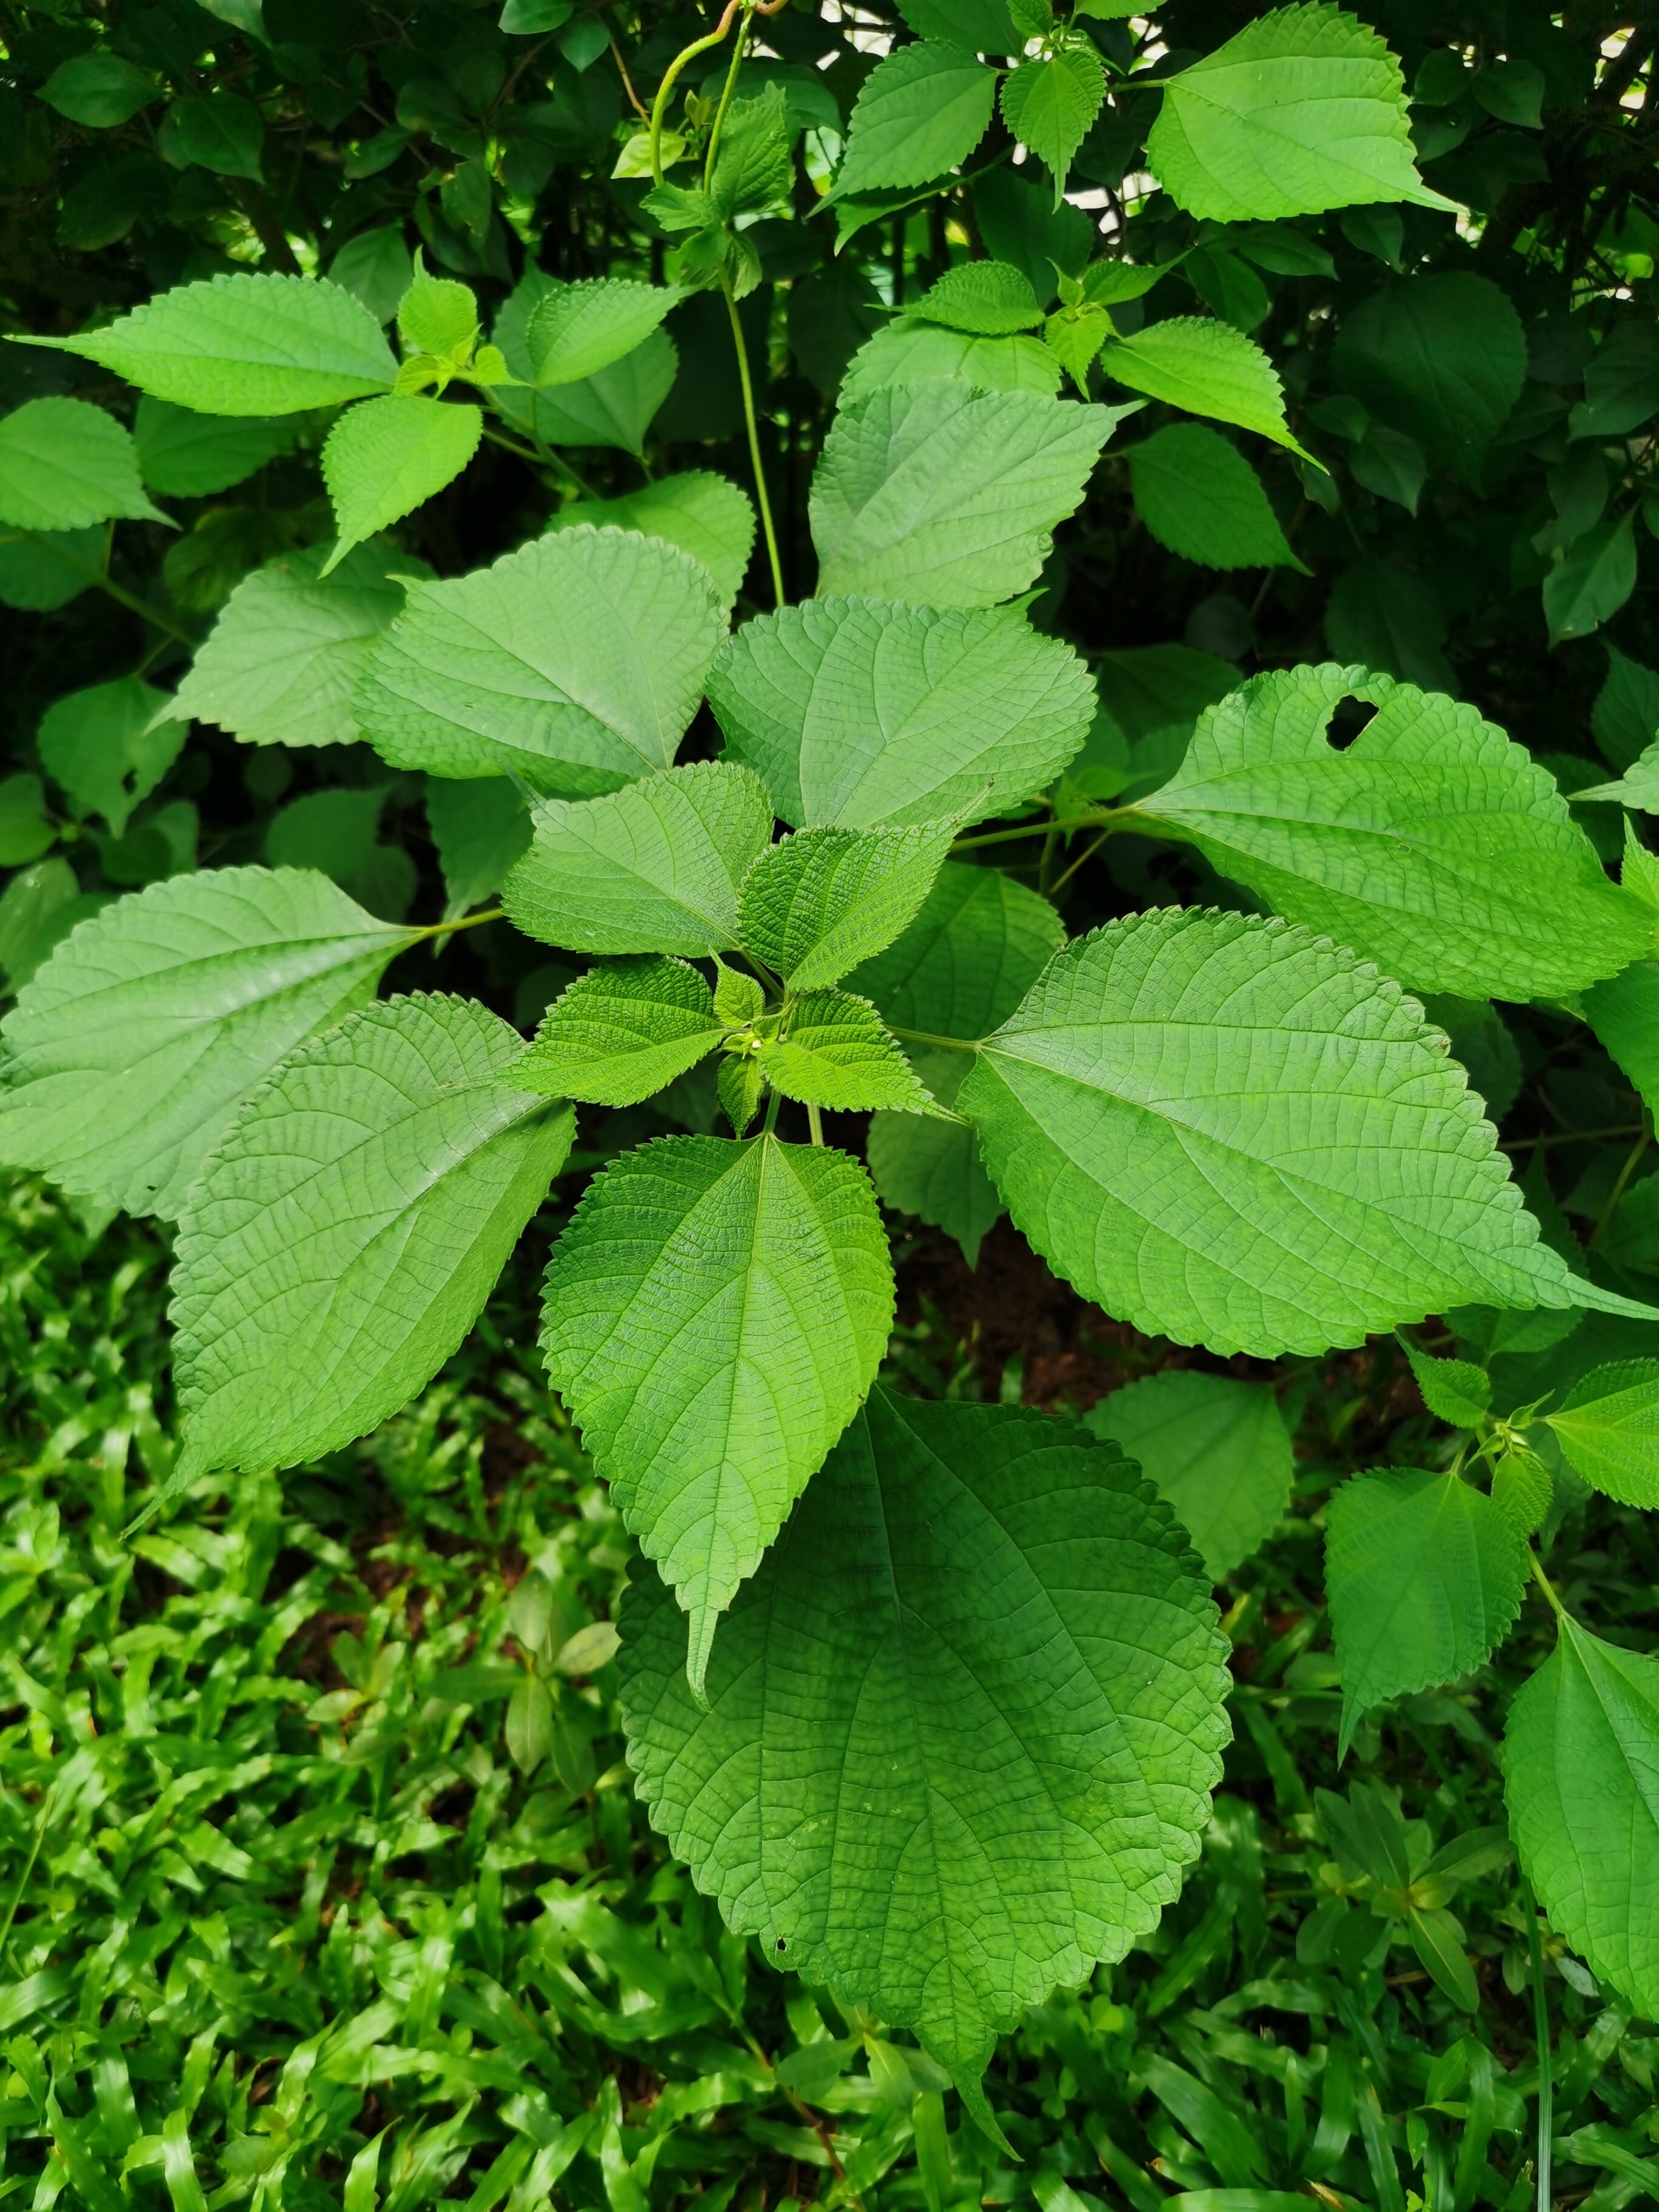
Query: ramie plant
{"points": [[929, 1695]]}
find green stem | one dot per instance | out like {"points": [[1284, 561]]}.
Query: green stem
{"points": [[1569, 1137], [469, 921], [1087, 854], [1094, 821], [729, 87], [119, 594], [814, 1123], [748, 416], [772, 1106], [1540, 2013], [659, 105], [1605, 1218], [922, 1037], [1544, 1584], [41, 1827], [541, 455]]}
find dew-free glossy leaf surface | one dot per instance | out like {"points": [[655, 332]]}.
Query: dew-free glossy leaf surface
{"points": [[1304, 109], [384, 459], [622, 1033], [834, 1049], [1430, 844], [713, 1315], [1204, 367], [1608, 1425], [1215, 1450], [1200, 497], [823, 900], [576, 662], [912, 352], [346, 1230], [946, 497], [65, 463], [859, 712], [245, 345], [186, 455], [281, 664], [1424, 1575], [963, 1723], [978, 944], [125, 1056], [580, 328], [1226, 1131], [919, 112], [705, 515], [655, 868], [1581, 1774]]}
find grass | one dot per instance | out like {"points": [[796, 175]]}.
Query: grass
{"points": [[323, 1885]]}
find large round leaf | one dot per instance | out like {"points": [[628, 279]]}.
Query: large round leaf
{"points": [[963, 1723]]}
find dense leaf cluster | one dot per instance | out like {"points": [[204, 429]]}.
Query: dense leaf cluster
{"points": [[875, 718]]}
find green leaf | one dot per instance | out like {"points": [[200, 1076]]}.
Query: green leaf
{"points": [[1183, 1092], [386, 458], [978, 944], [281, 664], [832, 1049], [25, 830], [753, 168], [576, 662], [1424, 1575], [1215, 1450], [994, 1795], [910, 352], [101, 746], [715, 1314], [705, 515], [1204, 367], [1437, 1938], [931, 1168], [988, 298], [1304, 109], [1151, 698], [65, 463], [615, 406], [1581, 1777], [1074, 337], [944, 496], [39, 906], [100, 90], [655, 868], [1521, 1490], [1591, 580], [245, 345], [1441, 356], [438, 316], [186, 455], [1624, 1012], [578, 329], [1049, 103], [822, 900], [480, 828], [982, 25], [859, 712], [622, 1033], [220, 131], [344, 1235], [1607, 1427], [126, 1054], [1359, 843], [1200, 497], [921, 112], [738, 1085], [1454, 1390], [1625, 718], [46, 570]]}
